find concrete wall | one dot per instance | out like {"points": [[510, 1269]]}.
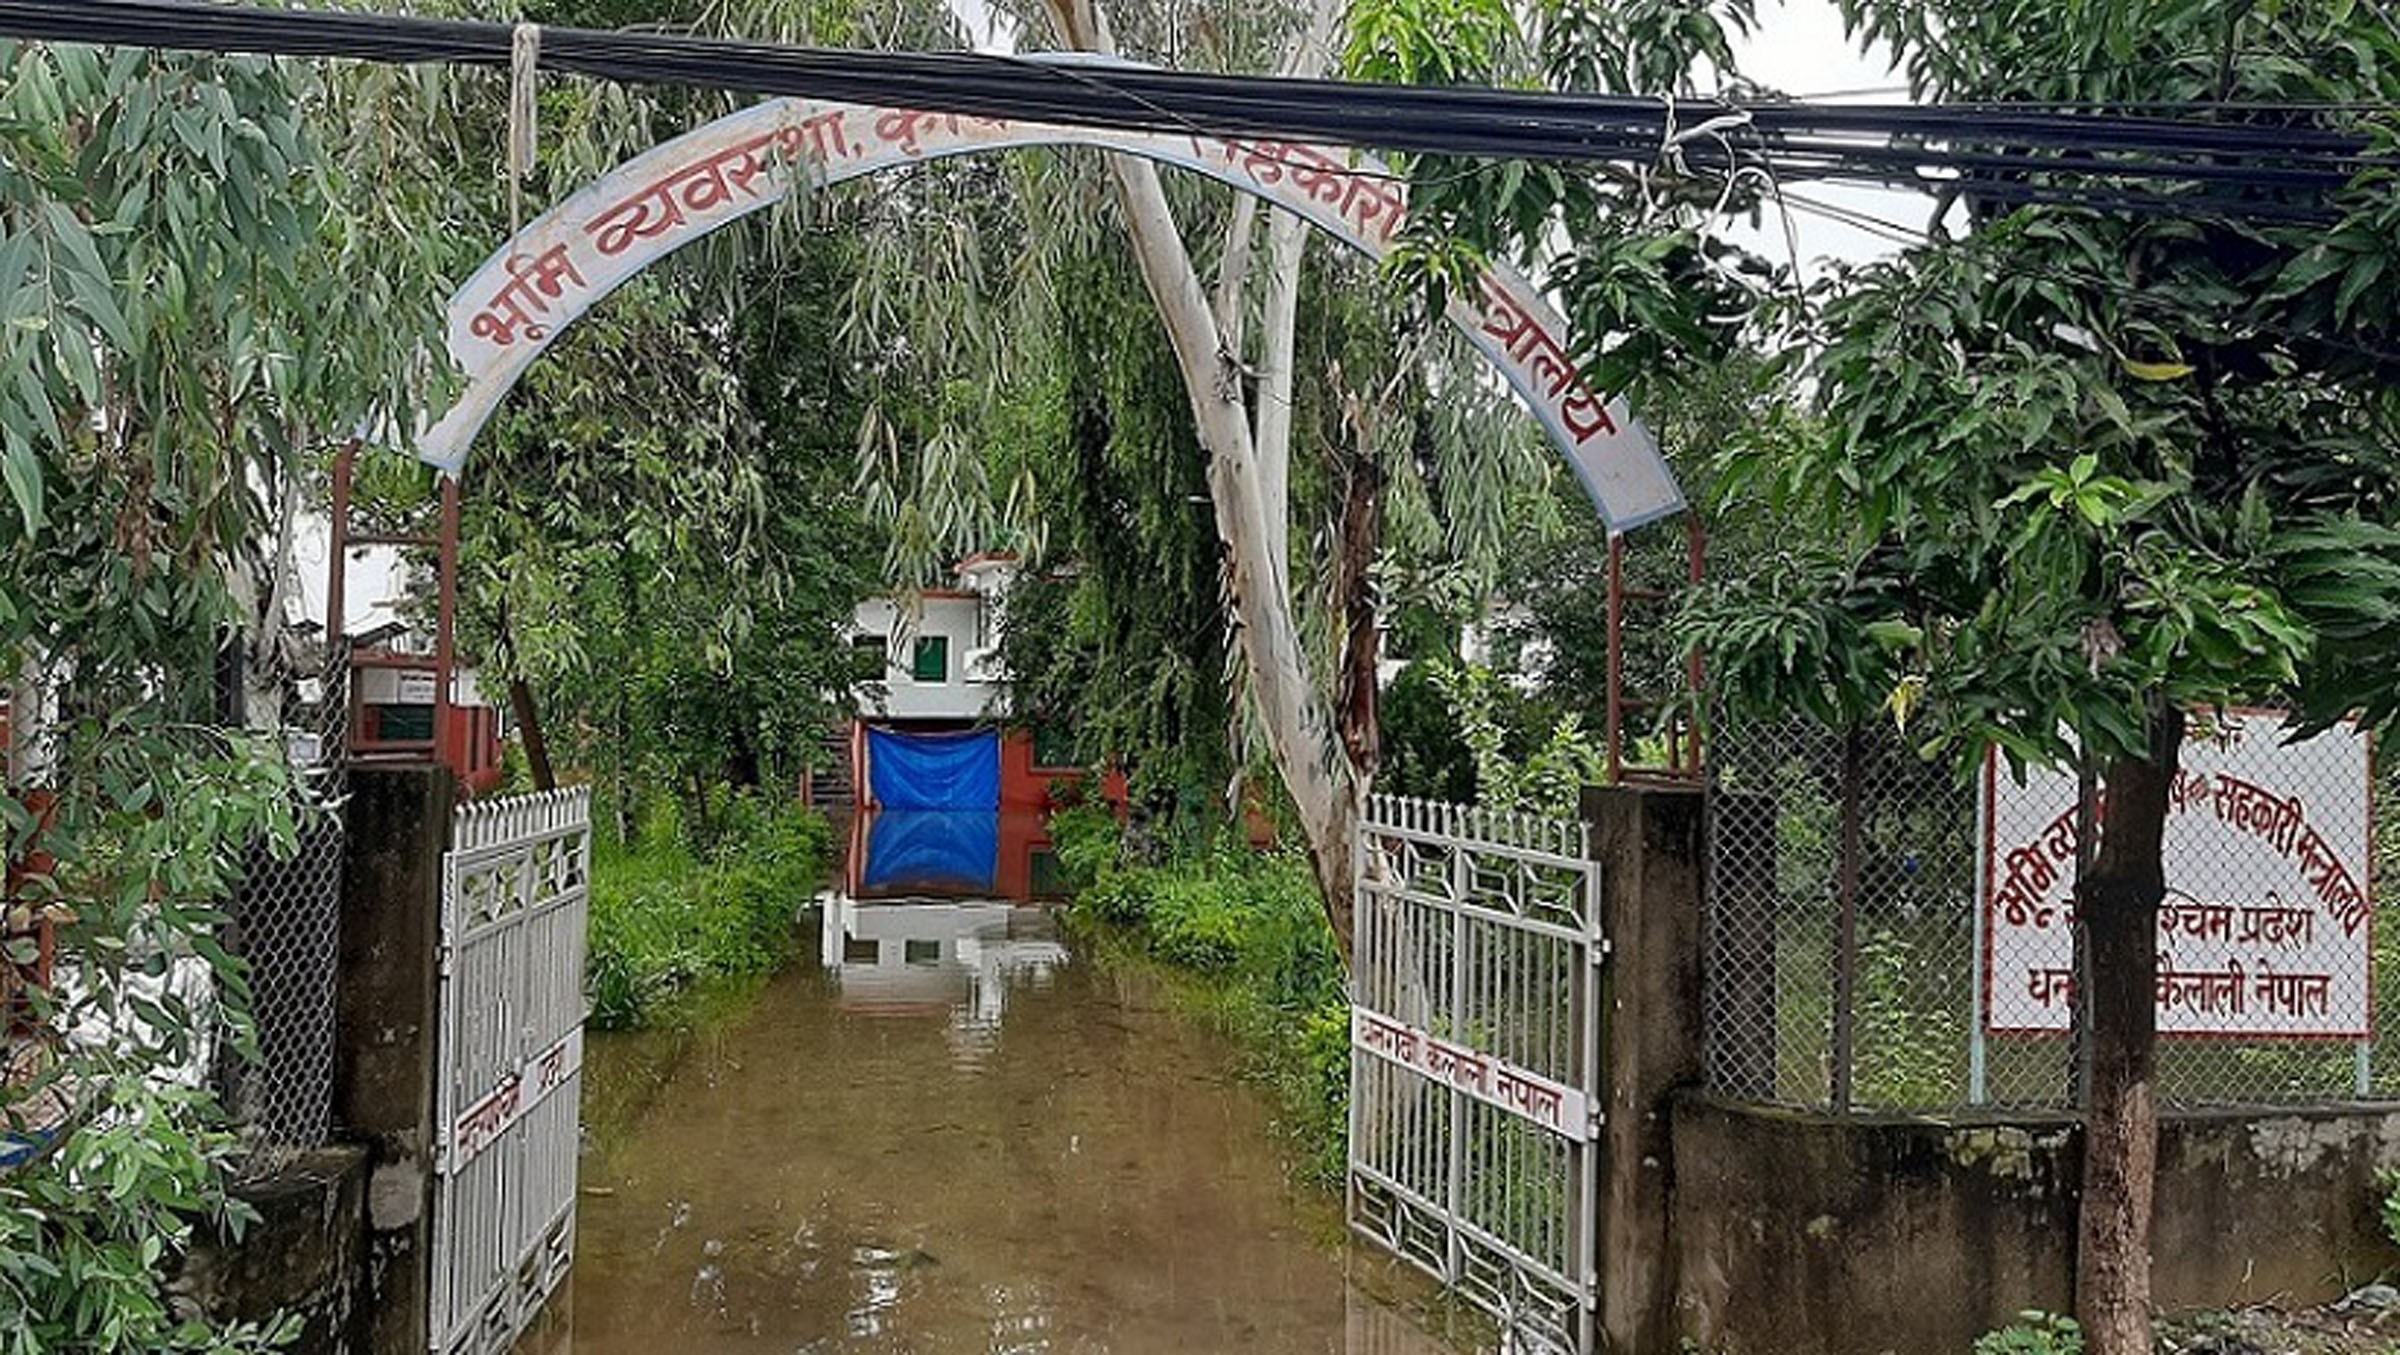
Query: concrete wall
{"points": [[384, 1038], [1807, 1234], [303, 1256], [1649, 845], [1747, 1230]]}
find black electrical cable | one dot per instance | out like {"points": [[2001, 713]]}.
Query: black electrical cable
{"points": [[985, 81], [2282, 168]]}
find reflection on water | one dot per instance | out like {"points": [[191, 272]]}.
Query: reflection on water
{"points": [[952, 1135], [952, 961], [951, 854]]}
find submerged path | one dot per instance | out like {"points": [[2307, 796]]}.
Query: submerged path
{"points": [[951, 1135]]}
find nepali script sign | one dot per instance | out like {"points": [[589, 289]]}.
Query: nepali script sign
{"points": [[2266, 928], [559, 267], [480, 1125], [1554, 1106]]}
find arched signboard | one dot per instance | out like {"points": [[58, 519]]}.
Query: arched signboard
{"points": [[562, 265]]}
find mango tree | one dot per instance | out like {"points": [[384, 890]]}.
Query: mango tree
{"points": [[2086, 476]]}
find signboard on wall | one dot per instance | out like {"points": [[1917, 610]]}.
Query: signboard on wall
{"points": [[416, 689], [2268, 920]]}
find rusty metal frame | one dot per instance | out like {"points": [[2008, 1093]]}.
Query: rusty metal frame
{"points": [[442, 664], [1685, 744]]}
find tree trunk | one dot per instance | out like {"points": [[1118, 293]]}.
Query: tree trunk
{"points": [[2117, 924], [1291, 708], [1361, 536], [743, 768], [521, 702], [529, 728], [1287, 251]]}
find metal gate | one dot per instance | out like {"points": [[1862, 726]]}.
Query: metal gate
{"points": [[515, 891], [1475, 1060]]}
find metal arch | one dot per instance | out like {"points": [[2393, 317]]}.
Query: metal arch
{"points": [[555, 270]]}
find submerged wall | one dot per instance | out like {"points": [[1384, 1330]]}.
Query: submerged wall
{"points": [[302, 1257], [1807, 1234]]}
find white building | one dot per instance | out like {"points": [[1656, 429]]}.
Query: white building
{"points": [[941, 654]]}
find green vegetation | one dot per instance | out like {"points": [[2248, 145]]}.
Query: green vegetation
{"points": [[668, 916], [1247, 931], [1518, 775], [2034, 1334], [198, 283]]}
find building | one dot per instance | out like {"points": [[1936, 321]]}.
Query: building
{"points": [[393, 712], [940, 657], [934, 732]]}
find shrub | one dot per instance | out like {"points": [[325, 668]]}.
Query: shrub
{"points": [[1088, 842], [2034, 1334], [664, 919]]}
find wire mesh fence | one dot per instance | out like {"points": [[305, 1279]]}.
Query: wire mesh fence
{"points": [[284, 924], [1885, 934]]}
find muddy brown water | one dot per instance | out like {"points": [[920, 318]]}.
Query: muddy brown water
{"points": [[955, 1132]]}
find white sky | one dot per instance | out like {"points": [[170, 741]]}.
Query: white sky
{"points": [[375, 586], [1800, 50]]}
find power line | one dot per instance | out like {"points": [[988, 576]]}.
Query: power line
{"points": [[2280, 163]]}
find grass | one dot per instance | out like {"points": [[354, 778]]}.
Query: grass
{"points": [[1247, 934], [667, 917]]}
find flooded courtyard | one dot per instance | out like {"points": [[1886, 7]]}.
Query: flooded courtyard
{"points": [[948, 1129]]}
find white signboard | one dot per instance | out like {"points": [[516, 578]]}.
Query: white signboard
{"points": [[416, 689], [2269, 914]]}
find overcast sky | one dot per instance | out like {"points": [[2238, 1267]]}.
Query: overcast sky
{"points": [[1800, 50]]}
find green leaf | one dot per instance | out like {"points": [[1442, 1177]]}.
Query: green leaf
{"points": [[22, 469]]}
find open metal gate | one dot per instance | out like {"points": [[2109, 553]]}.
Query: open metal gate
{"points": [[1475, 1060], [515, 893]]}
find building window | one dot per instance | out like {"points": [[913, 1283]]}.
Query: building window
{"points": [[1054, 747], [1049, 880], [932, 660], [405, 724]]}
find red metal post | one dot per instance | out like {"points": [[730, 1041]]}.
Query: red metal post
{"points": [[1695, 542], [445, 643]]}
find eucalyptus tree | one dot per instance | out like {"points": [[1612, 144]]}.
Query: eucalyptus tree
{"points": [[1307, 670], [2085, 477], [201, 286]]}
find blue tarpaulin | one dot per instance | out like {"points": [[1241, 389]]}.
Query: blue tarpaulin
{"points": [[934, 771], [923, 851]]}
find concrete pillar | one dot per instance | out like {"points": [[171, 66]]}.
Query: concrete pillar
{"points": [[1649, 844], [399, 824]]}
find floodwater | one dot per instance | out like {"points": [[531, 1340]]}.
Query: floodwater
{"points": [[952, 1132]]}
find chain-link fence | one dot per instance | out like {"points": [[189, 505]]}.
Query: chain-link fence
{"points": [[1884, 934], [285, 923]]}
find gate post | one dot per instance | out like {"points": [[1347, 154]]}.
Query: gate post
{"points": [[399, 823], [1649, 844]]}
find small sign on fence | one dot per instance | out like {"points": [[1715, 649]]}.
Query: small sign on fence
{"points": [[2267, 924], [1493, 1080]]}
